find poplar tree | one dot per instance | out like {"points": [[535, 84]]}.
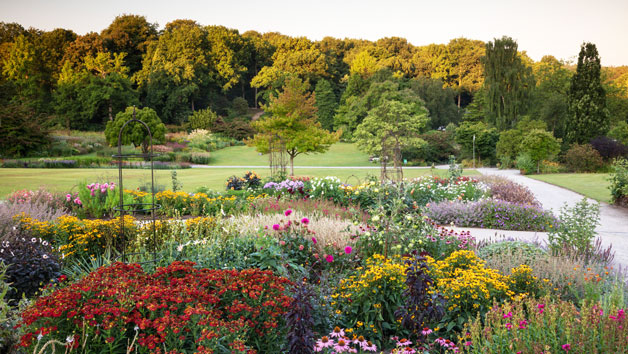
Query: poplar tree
{"points": [[508, 82], [588, 116]]}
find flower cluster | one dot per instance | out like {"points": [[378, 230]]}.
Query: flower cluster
{"points": [[286, 187], [338, 342], [179, 306], [96, 187]]}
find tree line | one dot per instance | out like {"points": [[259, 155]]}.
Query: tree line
{"points": [[82, 81]]}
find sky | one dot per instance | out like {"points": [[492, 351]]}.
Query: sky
{"points": [[541, 27]]}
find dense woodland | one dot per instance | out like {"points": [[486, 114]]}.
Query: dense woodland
{"points": [[69, 81]]}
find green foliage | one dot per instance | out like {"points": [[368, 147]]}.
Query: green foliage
{"points": [[440, 145], [135, 133], [439, 101], [525, 164], [510, 141], [576, 228], [130, 34], [619, 181], [508, 82], [588, 115], [326, 103], [583, 158], [389, 126], [202, 119], [540, 145], [292, 122], [239, 107], [509, 248], [21, 131], [620, 132], [485, 140]]}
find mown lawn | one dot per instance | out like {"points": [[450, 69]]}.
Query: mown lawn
{"points": [[62, 180], [592, 185], [340, 154]]}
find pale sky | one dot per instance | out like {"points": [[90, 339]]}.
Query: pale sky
{"points": [[555, 27]]}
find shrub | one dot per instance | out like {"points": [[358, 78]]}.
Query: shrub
{"points": [[368, 299], [178, 306], [9, 215], [504, 189], [619, 182], [238, 128], [506, 248], [583, 158], [31, 263], [492, 214], [21, 132], [576, 229], [202, 119], [525, 164], [299, 320], [252, 180], [467, 285], [135, 133], [546, 325], [235, 183], [609, 148]]}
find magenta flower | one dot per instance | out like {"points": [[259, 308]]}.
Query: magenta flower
{"points": [[276, 227], [508, 315], [509, 326], [566, 347], [540, 307], [314, 240], [426, 331], [68, 197], [305, 221], [523, 324], [329, 258], [288, 212], [348, 250]]}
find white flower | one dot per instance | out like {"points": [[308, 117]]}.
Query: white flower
{"points": [[39, 337], [136, 328], [179, 248], [45, 256], [70, 338]]}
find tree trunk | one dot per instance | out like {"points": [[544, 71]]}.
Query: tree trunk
{"points": [[291, 165], [192, 105], [110, 113]]}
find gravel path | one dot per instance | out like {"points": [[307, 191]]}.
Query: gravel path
{"points": [[613, 228]]}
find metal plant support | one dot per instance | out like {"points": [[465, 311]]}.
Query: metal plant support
{"points": [[136, 207]]}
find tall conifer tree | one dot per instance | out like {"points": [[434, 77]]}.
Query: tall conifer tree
{"points": [[588, 115]]}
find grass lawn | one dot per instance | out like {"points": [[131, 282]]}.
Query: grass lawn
{"points": [[62, 180], [592, 185], [340, 154]]}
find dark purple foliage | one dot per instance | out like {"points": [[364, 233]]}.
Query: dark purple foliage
{"points": [[609, 148]]}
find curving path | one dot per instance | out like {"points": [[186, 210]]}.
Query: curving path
{"points": [[613, 228]]}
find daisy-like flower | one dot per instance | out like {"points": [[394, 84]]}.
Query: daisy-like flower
{"points": [[369, 347], [337, 333], [323, 343], [360, 340], [342, 345], [426, 331], [403, 342], [305, 221]]}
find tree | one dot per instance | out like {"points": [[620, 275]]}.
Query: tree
{"points": [[466, 74], [588, 116], [390, 127], [485, 140], [540, 145], [508, 82], [292, 120], [439, 101], [130, 34], [135, 133], [326, 104], [510, 144], [21, 131]]}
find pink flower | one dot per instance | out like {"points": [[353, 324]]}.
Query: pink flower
{"points": [[509, 326], [523, 324], [301, 247], [337, 332], [324, 342], [78, 201], [467, 343], [348, 250], [276, 227], [314, 240], [68, 197], [329, 258], [305, 221], [426, 331], [566, 347], [370, 347], [508, 315], [540, 307], [288, 212], [283, 243], [341, 346], [403, 342]]}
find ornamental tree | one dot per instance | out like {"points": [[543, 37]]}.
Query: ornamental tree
{"points": [[135, 133], [291, 118], [540, 145]]}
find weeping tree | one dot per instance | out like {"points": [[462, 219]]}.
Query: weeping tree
{"points": [[507, 82]]}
